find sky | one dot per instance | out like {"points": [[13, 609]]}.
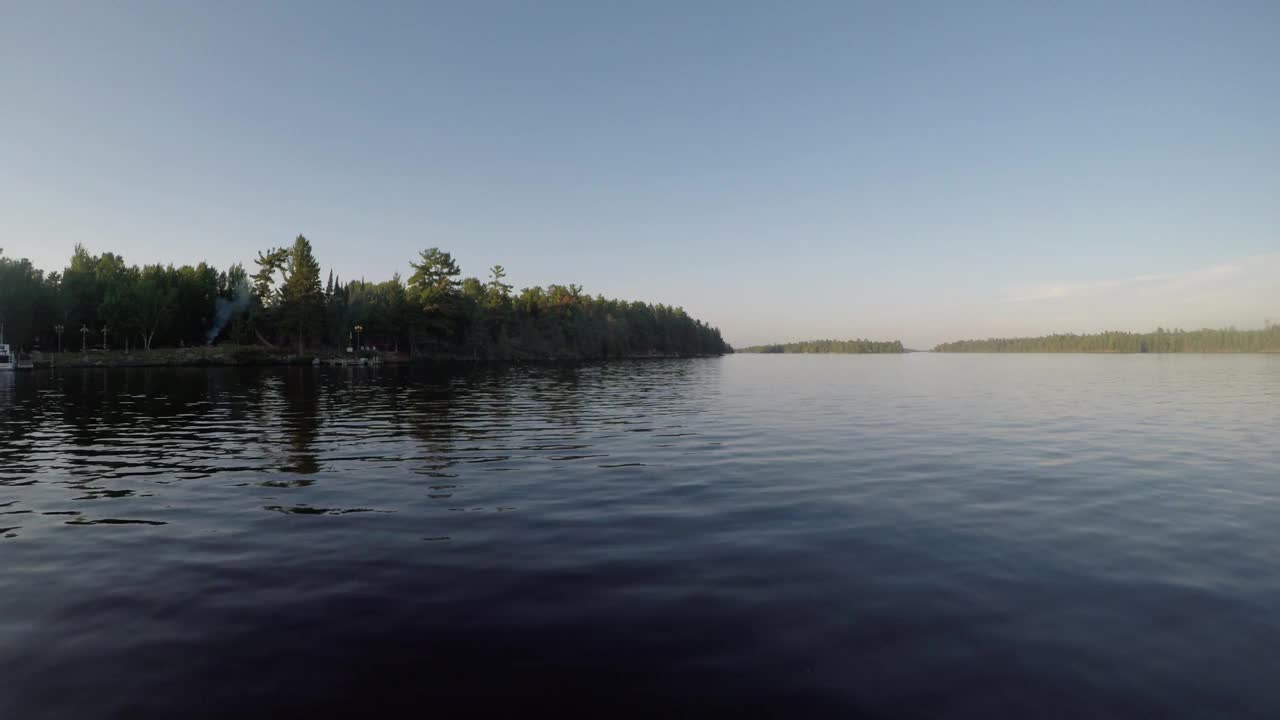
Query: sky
{"points": [[784, 170]]}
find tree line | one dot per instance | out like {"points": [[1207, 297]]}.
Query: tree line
{"points": [[830, 346], [1160, 341], [284, 301]]}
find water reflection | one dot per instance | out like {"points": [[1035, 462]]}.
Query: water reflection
{"points": [[8, 382], [758, 535], [298, 399], [143, 438]]}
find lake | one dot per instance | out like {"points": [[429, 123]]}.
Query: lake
{"points": [[792, 536]]}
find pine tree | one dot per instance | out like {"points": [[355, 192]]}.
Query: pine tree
{"points": [[301, 298]]}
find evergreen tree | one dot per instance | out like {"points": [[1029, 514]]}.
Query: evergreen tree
{"points": [[498, 292], [301, 299]]}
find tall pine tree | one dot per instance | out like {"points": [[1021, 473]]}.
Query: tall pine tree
{"points": [[302, 299]]}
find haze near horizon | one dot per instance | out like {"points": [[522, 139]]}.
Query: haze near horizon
{"points": [[923, 172]]}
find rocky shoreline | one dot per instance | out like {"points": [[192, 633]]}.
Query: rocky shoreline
{"points": [[203, 356], [227, 355]]}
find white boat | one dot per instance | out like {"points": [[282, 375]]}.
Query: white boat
{"points": [[7, 359]]}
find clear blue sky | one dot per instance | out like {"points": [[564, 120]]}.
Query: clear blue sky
{"points": [[922, 171]]}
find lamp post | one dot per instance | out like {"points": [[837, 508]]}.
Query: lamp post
{"points": [[84, 335], [58, 330], [359, 329]]}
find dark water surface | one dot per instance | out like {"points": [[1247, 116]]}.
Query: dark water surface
{"points": [[794, 536]]}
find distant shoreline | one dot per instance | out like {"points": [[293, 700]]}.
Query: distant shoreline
{"points": [[1162, 341], [829, 347]]}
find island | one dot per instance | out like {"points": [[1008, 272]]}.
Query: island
{"points": [[101, 311], [843, 347]]}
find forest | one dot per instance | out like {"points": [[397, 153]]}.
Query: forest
{"points": [[852, 347], [283, 301], [1160, 341]]}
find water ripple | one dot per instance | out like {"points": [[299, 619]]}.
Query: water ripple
{"points": [[897, 536]]}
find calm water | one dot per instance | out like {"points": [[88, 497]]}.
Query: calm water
{"points": [[793, 536]]}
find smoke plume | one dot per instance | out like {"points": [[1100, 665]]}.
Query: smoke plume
{"points": [[225, 309]]}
